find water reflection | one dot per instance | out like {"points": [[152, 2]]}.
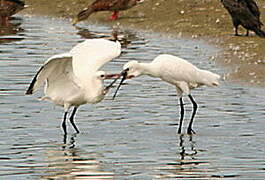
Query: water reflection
{"points": [[183, 152], [124, 37], [69, 161], [189, 165], [7, 31], [71, 141], [131, 137]]}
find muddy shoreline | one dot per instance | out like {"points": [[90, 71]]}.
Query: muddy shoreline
{"points": [[198, 19]]}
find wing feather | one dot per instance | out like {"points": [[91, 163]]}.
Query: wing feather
{"points": [[90, 55], [54, 66]]}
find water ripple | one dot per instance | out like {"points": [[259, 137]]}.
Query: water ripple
{"points": [[133, 137]]}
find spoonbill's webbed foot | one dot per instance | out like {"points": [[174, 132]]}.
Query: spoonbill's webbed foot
{"points": [[195, 107], [72, 120], [181, 114]]}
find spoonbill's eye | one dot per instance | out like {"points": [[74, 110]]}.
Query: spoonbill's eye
{"points": [[102, 75]]}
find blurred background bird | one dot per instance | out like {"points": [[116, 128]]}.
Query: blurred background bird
{"points": [[8, 8], [106, 5], [245, 13]]}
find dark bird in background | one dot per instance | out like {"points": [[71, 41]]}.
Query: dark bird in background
{"points": [[8, 8], [245, 13], [106, 5]]}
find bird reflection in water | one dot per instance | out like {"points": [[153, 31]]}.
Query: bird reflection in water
{"points": [[68, 161], [183, 152], [125, 37], [8, 24], [8, 8], [71, 141], [7, 32], [188, 165]]}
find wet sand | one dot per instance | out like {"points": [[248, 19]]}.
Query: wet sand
{"points": [[200, 19]]}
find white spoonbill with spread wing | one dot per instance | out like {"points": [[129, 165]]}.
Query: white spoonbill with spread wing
{"points": [[176, 71], [73, 78]]}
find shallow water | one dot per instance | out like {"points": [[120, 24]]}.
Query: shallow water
{"points": [[133, 137]]}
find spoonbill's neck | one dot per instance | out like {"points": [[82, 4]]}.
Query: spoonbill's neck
{"points": [[149, 69], [93, 90]]}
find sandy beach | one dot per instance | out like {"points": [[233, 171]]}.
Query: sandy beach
{"points": [[199, 19]]}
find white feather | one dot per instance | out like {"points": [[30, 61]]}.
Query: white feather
{"points": [[176, 71], [63, 73], [90, 55]]}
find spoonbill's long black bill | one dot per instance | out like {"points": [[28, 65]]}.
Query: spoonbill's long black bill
{"points": [[111, 76], [124, 76]]}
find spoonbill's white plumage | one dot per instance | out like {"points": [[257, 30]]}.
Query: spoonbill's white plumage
{"points": [[73, 78], [176, 71]]}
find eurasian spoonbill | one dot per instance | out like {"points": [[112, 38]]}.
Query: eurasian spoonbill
{"points": [[73, 78], [176, 71]]}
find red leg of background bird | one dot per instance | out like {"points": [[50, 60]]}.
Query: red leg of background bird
{"points": [[3, 21], [114, 16], [7, 22]]}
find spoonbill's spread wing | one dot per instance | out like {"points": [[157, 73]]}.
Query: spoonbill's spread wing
{"points": [[90, 55], [52, 69]]}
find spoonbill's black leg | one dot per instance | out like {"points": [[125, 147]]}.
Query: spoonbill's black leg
{"points": [[181, 114], [64, 141], [72, 119], [195, 107], [64, 122]]}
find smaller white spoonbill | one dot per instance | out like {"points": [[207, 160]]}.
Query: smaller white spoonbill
{"points": [[176, 71], [73, 79]]}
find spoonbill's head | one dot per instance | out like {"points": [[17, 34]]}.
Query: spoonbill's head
{"points": [[131, 69], [100, 75]]}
